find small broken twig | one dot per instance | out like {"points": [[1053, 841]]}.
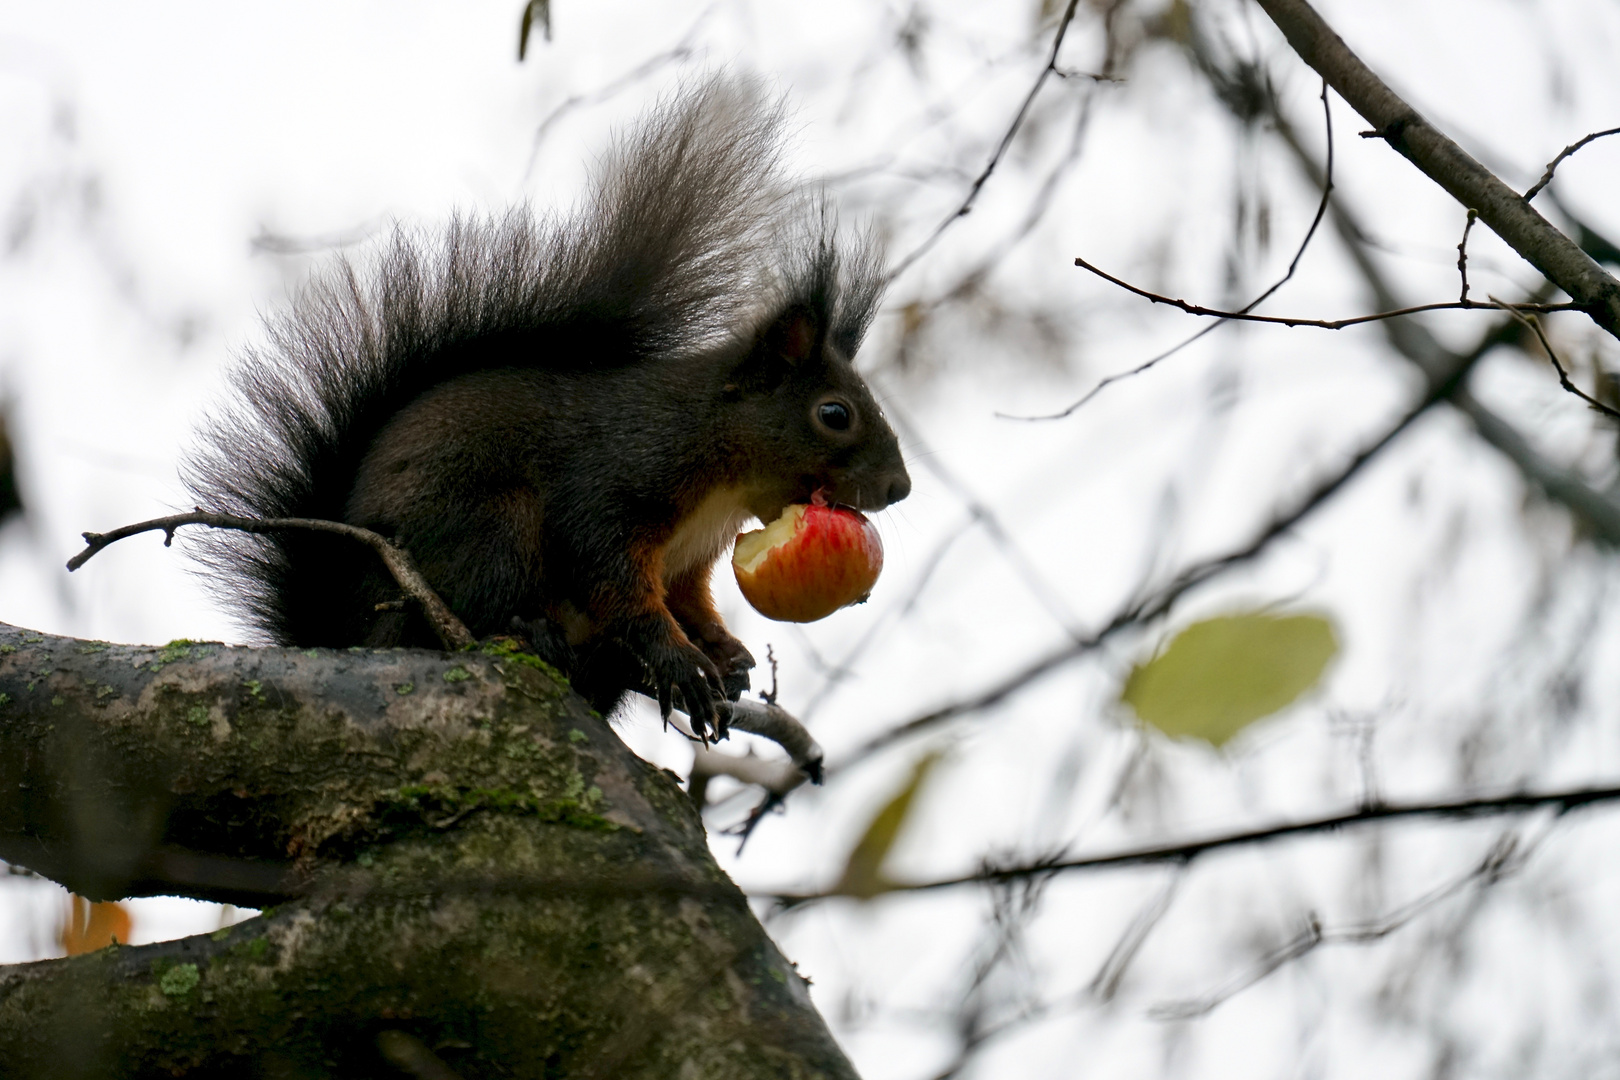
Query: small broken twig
{"points": [[1462, 254], [1546, 177], [769, 721], [1563, 376], [453, 633]]}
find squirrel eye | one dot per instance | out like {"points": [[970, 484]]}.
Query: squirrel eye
{"points": [[833, 415]]}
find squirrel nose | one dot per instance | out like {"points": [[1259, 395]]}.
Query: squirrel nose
{"points": [[899, 488]]}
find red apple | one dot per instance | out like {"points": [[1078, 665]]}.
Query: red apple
{"points": [[808, 563]]}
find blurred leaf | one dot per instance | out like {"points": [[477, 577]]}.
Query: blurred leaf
{"points": [[1220, 675], [863, 875], [89, 927], [532, 11]]}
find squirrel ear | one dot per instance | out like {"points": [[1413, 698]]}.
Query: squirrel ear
{"points": [[792, 337], [789, 340]]}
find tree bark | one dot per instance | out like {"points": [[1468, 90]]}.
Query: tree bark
{"points": [[469, 869]]}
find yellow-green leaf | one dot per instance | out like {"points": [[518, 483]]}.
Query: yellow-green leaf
{"points": [[1220, 675], [863, 874]]}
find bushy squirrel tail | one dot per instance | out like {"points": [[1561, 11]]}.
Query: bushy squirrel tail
{"points": [[677, 240]]}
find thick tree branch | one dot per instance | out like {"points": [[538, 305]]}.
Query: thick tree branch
{"points": [[1509, 215], [474, 860]]}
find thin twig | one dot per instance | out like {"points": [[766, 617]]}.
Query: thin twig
{"points": [[1462, 254], [1293, 264], [1558, 257], [1546, 177], [681, 52], [1017, 124], [1320, 324], [1411, 338], [1562, 802], [1159, 604], [1563, 376], [1504, 857], [452, 632]]}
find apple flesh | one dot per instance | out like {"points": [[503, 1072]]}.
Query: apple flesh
{"points": [[808, 563]]}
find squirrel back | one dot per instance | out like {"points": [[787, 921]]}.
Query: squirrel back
{"points": [[564, 419]]}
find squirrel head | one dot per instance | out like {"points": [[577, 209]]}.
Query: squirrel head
{"points": [[803, 424]]}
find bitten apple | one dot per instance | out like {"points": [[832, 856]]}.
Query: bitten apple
{"points": [[808, 563]]}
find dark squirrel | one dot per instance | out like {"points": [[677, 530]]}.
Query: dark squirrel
{"points": [[565, 421]]}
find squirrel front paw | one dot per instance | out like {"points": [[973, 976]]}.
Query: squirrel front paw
{"points": [[731, 658], [673, 666]]}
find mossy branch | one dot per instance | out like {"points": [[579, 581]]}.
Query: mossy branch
{"points": [[473, 859]]}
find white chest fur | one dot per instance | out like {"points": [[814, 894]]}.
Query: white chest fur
{"points": [[704, 533]]}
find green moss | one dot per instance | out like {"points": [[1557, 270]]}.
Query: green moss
{"points": [[175, 651], [92, 647], [576, 736], [507, 649], [179, 980], [197, 715], [404, 688], [255, 689], [5, 699], [457, 674], [58, 701], [6, 650], [105, 692]]}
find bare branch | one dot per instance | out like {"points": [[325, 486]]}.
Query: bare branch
{"points": [[1320, 324], [1159, 604], [1293, 264], [452, 632], [1561, 802], [983, 178], [1462, 254], [1563, 376], [1504, 857], [776, 777], [679, 54], [1597, 509], [1447, 164], [1546, 177]]}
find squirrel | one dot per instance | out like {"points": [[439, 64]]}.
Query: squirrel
{"points": [[564, 419]]}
